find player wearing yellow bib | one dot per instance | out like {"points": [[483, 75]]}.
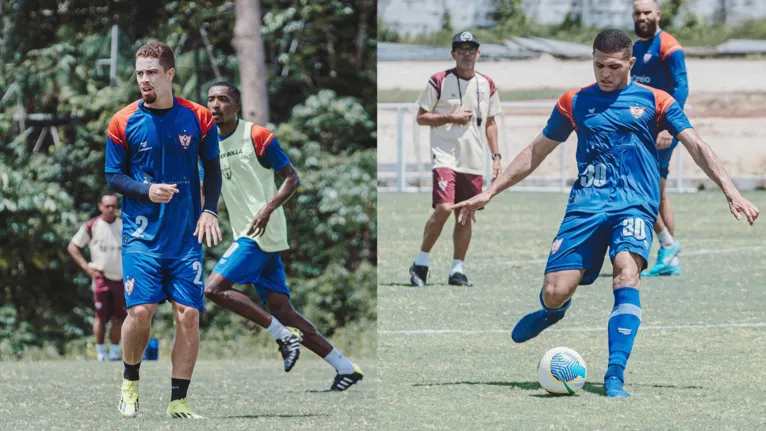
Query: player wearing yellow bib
{"points": [[250, 154]]}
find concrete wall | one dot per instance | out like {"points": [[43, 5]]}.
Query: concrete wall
{"points": [[416, 17]]}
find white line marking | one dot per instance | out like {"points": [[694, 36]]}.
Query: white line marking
{"points": [[689, 253], [576, 329]]}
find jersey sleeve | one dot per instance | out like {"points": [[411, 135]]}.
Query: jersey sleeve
{"points": [[275, 156], [676, 65], [209, 146], [117, 154], [494, 100], [430, 95], [82, 237], [561, 123], [670, 116]]}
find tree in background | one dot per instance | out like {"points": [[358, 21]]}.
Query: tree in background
{"points": [[320, 74]]}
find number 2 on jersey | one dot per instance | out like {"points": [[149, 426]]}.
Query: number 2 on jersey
{"points": [[594, 176], [143, 223]]}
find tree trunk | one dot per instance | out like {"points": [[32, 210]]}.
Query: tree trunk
{"points": [[252, 65]]}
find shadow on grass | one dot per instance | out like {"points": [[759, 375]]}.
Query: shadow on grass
{"points": [[593, 388], [414, 287], [271, 415]]}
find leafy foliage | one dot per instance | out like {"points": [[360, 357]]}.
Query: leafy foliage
{"points": [[321, 61]]}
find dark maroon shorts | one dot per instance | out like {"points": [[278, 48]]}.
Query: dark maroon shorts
{"points": [[454, 187], [109, 299]]}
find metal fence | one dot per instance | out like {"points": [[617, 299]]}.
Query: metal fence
{"points": [[410, 169]]}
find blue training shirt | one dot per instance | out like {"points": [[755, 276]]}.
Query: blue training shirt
{"points": [[153, 148], [660, 64], [617, 159]]}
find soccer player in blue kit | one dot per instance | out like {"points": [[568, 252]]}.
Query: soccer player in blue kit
{"points": [[615, 200], [660, 64], [152, 150]]}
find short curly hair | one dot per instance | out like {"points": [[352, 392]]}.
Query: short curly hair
{"points": [[160, 51]]}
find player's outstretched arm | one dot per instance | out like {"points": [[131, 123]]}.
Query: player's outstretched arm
{"points": [[286, 190], [706, 159], [207, 225], [524, 164]]}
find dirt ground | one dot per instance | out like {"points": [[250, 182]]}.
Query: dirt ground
{"points": [[727, 106]]}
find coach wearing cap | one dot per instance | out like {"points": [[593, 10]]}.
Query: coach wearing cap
{"points": [[459, 105]]}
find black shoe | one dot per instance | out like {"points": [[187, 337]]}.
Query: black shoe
{"points": [[418, 275], [290, 348], [459, 279], [344, 381]]}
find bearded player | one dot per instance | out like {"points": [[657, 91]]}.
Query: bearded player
{"points": [[615, 200], [250, 155], [660, 64], [151, 159]]}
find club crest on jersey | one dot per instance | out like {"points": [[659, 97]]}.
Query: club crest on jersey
{"points": [[227, 172], [442, 185], [185, 140], [556, 245], [647, 57], [129, 285], [637, 111]]}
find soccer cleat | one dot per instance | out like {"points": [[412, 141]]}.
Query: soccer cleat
{"points": [[290, 348], [418, 275], [179, 409], [459, 279], [101, 357], [531, 325], [344, 381], [613, 388], [115, 355], [129, 399], [662, 265]]}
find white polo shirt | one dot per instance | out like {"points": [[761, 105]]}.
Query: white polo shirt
{"points": [[104, 241], [460, 147]]}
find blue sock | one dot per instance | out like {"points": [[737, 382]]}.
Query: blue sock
{"points": [[623, 326]]}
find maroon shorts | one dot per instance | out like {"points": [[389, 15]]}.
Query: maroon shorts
{"points": [[109, 298], [454, 187]]}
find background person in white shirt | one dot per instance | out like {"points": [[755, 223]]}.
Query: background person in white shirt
{"points": [[102, 235], [459, 105]]}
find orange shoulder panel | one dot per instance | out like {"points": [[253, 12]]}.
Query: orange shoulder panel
{"points": [[116, 129]]}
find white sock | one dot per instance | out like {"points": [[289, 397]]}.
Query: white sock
{"points": [[675, 261], [277, 329], [101, 350], [457, 266], [666, 239], [114, 351], [422, 259], [339, 362]]}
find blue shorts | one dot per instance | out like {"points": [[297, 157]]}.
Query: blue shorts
{"points": [[583, 239], [245, 262], [664, 156], [151, 280]]}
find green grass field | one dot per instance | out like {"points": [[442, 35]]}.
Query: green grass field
{"points": [[239, 394], [447, 360]]}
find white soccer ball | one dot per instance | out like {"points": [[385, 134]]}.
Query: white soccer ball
{"points": [[562, 371]]}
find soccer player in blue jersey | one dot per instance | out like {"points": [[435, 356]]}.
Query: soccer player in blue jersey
{"points": [[152, 150], [660, 64], [615, 200]]}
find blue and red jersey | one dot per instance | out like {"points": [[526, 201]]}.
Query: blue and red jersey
{"points": [[616, 153], [660, 64], [152, 147]]}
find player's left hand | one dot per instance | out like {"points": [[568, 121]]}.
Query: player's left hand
{"points": [[664, 139], [738, 204], [496, 167], [468, 208], [258, 225], [207, 226]]}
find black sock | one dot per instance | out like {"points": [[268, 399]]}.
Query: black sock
{"points": [[178, 388], [131, 371]]}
